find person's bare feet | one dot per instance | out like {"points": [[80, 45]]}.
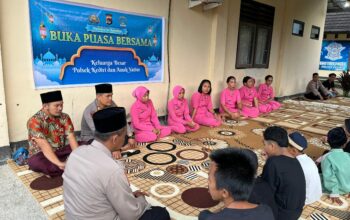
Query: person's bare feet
{"points": [[336, 200]]}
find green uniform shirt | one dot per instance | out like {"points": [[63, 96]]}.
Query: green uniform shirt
{"points": [[335, 172]]}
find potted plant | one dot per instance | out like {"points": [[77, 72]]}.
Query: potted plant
{"points": [[345, 82]]}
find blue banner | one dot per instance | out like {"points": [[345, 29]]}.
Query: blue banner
{"points": [[334, 55], [75, 44]]}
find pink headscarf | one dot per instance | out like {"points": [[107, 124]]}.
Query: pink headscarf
{"points": [[139, 92], [176, 91]]}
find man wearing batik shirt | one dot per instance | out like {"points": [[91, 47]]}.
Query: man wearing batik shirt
{"points": [[48, 132]]}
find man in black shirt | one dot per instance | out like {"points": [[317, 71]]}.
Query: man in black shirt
{"points": [[231, 178], [347, 132], [284, 174], [329, 84]]}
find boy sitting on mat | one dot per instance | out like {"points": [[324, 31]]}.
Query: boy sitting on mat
{"points": [[335, 166], [284, 174], [231, 179]]}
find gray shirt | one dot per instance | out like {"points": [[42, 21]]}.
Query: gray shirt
{"points": [[314, 87], [95, 187], [87, 124]]}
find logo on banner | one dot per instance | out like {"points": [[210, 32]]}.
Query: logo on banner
{"points": [[334, 51]]}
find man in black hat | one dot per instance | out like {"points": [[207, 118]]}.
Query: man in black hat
{"points": [[104, 95], [95, 185], [49, 130]]}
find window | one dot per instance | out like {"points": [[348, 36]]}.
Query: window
{"points": [[298, 28], [315, 32], [254, 36]]}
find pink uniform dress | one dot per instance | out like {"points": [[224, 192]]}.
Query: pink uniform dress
{"points": [[265, 93], [202, 103], [144, 118], [230, 99], [179, 114], [247, 97]]}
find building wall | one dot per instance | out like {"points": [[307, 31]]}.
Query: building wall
{"points": [[300, 56], [202, 44], [4, 134], [232, 36]]}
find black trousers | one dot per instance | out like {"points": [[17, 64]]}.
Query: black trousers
{"points": [[156, 213], [311, 96]]}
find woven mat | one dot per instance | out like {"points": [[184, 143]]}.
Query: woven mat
{"points": [[189, 170]]}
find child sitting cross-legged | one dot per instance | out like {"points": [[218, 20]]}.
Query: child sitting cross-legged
{"points": [[297, 145], [335, 166]]}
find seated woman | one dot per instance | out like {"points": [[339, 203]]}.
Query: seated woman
{"points": [[266, 96], [144, 118], [230, 100], [249, 98], [178, 113], [202, 106]]}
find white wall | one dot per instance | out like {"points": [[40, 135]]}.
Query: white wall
{"points": [[300, 56], [4, 134]]}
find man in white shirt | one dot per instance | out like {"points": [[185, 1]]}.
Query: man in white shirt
{"points": [[95, 185], [297, 145]]}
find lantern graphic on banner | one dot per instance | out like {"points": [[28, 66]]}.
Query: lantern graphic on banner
{"points": [[43, 31], [109, 19], [155, 40], [51, 19]]}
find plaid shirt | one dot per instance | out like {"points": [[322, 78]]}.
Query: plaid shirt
{"points": [[53, 129]]}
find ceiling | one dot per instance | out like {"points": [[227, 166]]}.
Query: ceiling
{"points": [[338, 5]]}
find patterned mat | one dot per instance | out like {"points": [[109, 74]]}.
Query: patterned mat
{"points": [[180, 163]]}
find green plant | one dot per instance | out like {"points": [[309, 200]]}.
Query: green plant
{"points": [[345, 82]]}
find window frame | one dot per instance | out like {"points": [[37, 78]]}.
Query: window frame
{"points": [[313, 27], [253, 48], [302, 25], [269, 41]]}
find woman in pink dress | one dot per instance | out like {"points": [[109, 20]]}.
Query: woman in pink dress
{"points": [[144, 118], [249, 98], [230, 100], [202, 106], [266, 96], [178, 113]]}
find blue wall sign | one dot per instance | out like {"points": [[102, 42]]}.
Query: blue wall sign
{"points": [[334, 55]]}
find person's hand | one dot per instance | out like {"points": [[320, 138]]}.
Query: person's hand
{"points": [[132, 143], [264, 155], [232, 115], [156, 131], [117, 154], [61, 165], [336, 200], [139, 193], [217, 116], [191, 124]]}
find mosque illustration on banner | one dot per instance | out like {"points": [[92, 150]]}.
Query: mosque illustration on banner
{"points": [[154, 66], [47, 68]]}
